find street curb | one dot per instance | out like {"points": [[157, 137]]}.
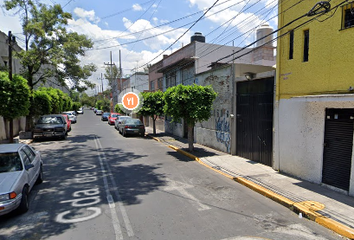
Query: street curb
{"points": [[297, 207]]}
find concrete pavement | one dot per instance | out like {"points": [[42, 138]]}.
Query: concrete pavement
{"points": [[331, 209]]}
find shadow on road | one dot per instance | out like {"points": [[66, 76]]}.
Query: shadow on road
{"points": [[71, 169]]}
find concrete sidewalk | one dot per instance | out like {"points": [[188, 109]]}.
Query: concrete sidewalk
{"points": [[327, 207]]}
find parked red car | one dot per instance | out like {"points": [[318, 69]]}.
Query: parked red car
{"points": [[112, 118], [68, 122]]}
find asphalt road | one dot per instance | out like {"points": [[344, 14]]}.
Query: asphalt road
{"points": [[100, 185]]}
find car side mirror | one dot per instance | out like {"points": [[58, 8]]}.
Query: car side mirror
{"points": [[29, 166]]}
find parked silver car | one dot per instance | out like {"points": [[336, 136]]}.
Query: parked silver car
{"points": [[118, 122], [20, 168], [72, 116]]}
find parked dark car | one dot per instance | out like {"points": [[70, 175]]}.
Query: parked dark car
{"points": [[132, 126], [105, 116], [118, 122], [49, 126], [20, 168]]}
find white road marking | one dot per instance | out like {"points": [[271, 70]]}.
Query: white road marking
{"points": [[181, 188], [120, 204], [115, 220]]}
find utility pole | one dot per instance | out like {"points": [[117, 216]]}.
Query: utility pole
{"points": [[120, 72], [11, 40], [111, 79], [101, 78], [110, 70]]}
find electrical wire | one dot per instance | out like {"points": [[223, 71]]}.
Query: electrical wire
{"points": [[273, 40], [284, 34], [162, 33], [173, 21], [148, 21], [182, 34], [125, 10], [238, 26], [234, 17]]}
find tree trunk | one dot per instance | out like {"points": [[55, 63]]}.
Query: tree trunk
{"points": [[190, 137], [11, 130], [154, 124], [29, 117]]}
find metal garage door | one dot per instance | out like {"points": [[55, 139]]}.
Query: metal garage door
{"points": [[338, 144], [254, 108]]}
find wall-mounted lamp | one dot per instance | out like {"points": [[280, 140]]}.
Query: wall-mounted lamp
{"points": [[249, 75]]}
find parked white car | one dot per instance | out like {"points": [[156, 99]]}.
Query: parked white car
{"points": [[80, 111], [72, 116], [20, 168]]}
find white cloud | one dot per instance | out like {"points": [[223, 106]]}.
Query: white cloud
{"points": [[137, 7], [89, 15]]}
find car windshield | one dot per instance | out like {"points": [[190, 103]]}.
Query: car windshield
{"points": [[133, 121], [106, 114], [10, 162], [50, 120], [123, 117], [114, 115]]}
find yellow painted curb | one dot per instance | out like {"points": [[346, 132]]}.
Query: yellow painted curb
{"points": [[305, 208], [336, 226], [266, 192]]}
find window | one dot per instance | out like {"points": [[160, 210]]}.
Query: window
{"points": [[171, 80], [348, 16], [30, 153], [291, 44], [24, 157], [306, 45], [159, 83], [152, 86]]}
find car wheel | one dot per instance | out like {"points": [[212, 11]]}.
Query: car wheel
{"points": [[65, 136], [40, 176], [24, 205], [123, 133]]}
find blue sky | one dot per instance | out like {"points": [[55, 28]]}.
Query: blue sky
{"points": [[144, 29]]}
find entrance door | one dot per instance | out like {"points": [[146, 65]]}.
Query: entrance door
{"points": [[338, 145], [254, 125]]}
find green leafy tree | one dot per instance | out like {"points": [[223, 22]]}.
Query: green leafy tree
{"points": [[103, 105], [87, 100], [76, 106], [14, 98], [68, 103], [152, 106], [112, 74], [192, 103], [50, 50], [42, 101], [118, 108]]}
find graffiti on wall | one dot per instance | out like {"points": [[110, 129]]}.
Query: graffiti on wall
{"points": [[222, 127]]}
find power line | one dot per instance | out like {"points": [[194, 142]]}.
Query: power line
{"points": [[182, 34], [156, 35], [310, 13], [273, 40], [125, 10], [148, 21], [239, 27], [173, 21]]}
